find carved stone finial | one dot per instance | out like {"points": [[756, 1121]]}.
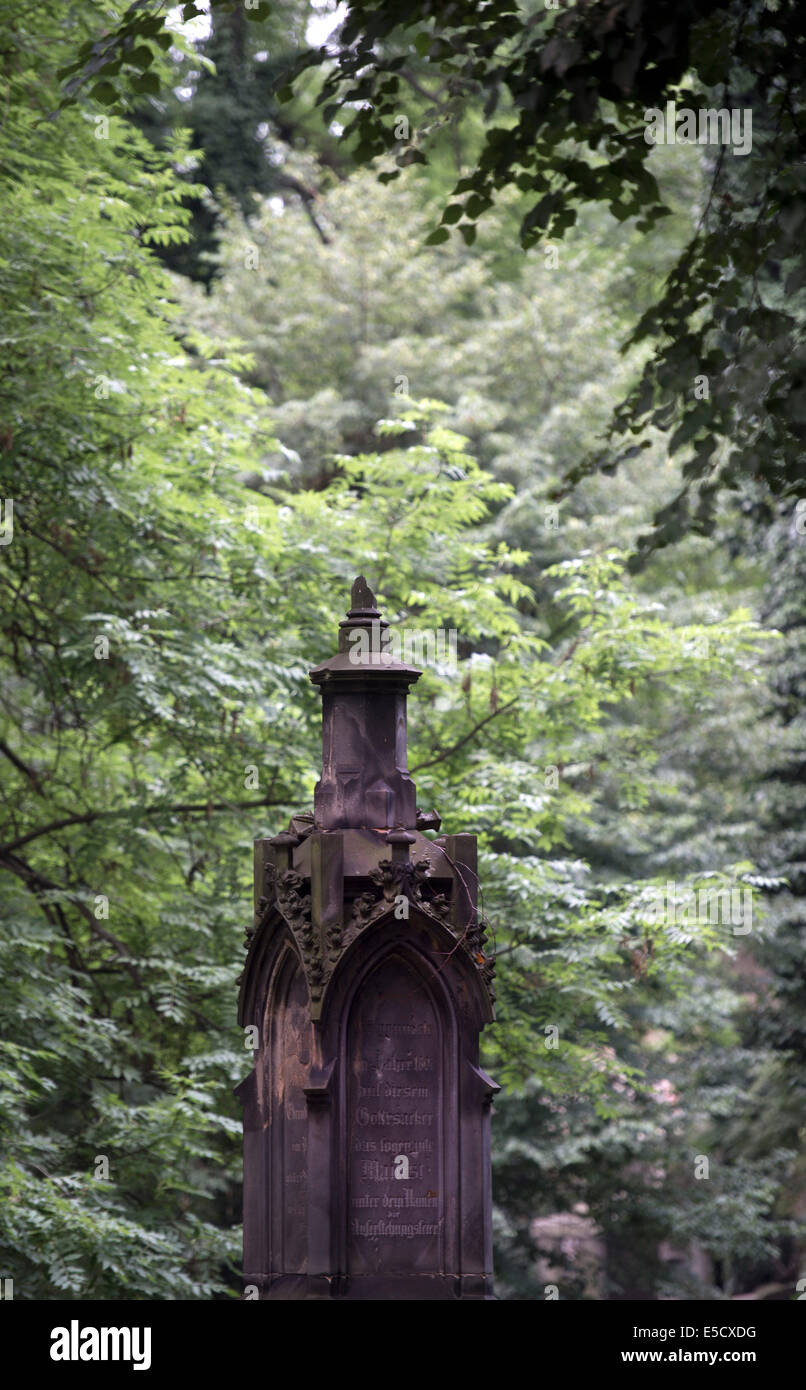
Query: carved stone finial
{"points": [[364, 782], [362, 599], [365, 615]]}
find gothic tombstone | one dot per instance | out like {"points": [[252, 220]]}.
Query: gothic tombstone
{"points": [[366, 985]]}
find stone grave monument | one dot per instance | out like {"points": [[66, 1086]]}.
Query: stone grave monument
{"points": [[366, 985]]}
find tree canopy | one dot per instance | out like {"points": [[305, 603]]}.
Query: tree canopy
{"points": [[238, 369]]}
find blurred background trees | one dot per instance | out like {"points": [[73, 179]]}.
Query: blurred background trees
{"points": [[236, 373]]}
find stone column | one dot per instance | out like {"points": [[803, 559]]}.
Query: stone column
{"points": [[366, 1114]]}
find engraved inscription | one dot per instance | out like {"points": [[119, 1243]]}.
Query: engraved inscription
{"points": [[395, 1095]]}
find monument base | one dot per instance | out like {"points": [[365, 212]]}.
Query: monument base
{"points": [[377, 1288]]}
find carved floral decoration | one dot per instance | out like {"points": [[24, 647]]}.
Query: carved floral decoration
{"points": [[392, 880]]}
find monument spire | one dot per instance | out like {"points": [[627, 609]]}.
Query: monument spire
{"points": [[367, 983], [365, 783]]}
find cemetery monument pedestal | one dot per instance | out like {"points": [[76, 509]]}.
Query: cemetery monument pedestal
{"points": [[366, 985]]}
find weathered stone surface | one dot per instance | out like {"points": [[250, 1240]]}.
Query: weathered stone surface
{"points": [[366, 1115], [395, 1126]]}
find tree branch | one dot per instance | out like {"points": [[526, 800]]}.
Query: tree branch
{"points": [[467, 737], [21, 766], [34, 880], [181, 808], [308, 197]]}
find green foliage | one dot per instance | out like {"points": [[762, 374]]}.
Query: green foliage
{"points": [[526, 365], [181, 554], [574, 92]]}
